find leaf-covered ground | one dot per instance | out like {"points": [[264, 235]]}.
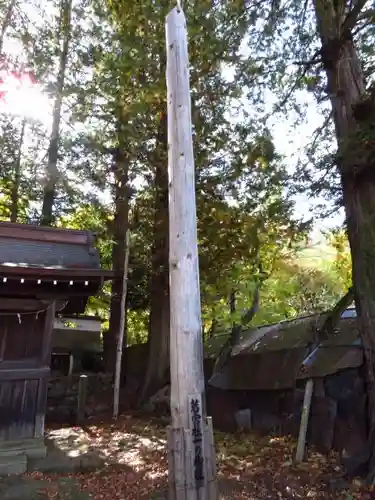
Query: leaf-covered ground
{"points": [[133, 465]]}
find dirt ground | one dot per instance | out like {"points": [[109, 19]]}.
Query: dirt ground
{"points": [[127, 461]]}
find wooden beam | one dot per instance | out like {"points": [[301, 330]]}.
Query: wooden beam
{"points": [[28, 363], [71, 364], [21, 373], [45, 360], [47, 334], [43, 292], [189, 478], [54, 273], [21, 304], [41, 408], [78, 324]]}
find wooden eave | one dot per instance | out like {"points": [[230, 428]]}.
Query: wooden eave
{"points": [[51, 273], [51, 283]]}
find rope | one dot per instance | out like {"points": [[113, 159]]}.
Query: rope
{"points": [[27, 313]]}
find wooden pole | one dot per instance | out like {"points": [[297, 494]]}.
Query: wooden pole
{"points": [[82, 398], [71, 364], [304, 421], [192, 457], [120, 336]]}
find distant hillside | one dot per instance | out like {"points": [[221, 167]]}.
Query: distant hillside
{"points": [[316, 255]]}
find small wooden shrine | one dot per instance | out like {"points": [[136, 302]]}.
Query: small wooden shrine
{"points": [[75, 338], [43, 272]]}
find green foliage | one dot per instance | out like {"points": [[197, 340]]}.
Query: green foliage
{"points": [[248, 231], [137, 323], [296, 286], [341, 267], [286, 62], [95, 218]]}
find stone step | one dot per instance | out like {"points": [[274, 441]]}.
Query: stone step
{"points": [[14, 465], [32, 448]]}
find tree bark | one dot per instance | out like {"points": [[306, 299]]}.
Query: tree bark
{"points": [[232, 302], [17, 177], [120, 228], [348, 94], [157, 372], [212, 330], [53, 149]]}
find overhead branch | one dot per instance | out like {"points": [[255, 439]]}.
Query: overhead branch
{"points": [[352, 17], [304, 14], [309, 63], [318, 132], [236, 331], [334, 316], [367, 15], [306, 66], [251, 312]]}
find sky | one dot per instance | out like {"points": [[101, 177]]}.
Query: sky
{"points": [[29, 101], [290, 142]]}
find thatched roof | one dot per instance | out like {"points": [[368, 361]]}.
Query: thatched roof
{"points": [[275, 356]]}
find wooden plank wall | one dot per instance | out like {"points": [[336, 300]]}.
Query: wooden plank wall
{"points": [[18, 400], [24, 370], [21, 340]]}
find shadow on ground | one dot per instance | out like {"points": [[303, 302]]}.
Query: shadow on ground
{"points": [[126, 460]]}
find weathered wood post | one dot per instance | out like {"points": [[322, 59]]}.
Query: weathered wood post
{"points": [[82, 398], [120, 336], [304, 421], [192, 469], [71, 364]]}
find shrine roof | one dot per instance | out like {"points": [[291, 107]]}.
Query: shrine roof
{"points": [[48, 251]]}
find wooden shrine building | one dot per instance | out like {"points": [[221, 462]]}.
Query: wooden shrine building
{"points": [[43, 272]]}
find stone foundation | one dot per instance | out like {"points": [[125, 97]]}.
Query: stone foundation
{"points": [[337, 419], [63, 397], [14, 454]]}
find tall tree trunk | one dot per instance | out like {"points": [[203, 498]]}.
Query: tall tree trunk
{"points": [[157, 372], [53, 149], [14, 199], [7, 19], [353, 111], [232, 302], [120, 228], [212, 330]]}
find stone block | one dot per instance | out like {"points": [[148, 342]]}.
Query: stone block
{"points": [[243, 419], [13, 465], [32, 448], [322, 423], [266, 423]]}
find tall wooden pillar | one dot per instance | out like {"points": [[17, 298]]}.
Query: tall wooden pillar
{"points": [[192, 460]]}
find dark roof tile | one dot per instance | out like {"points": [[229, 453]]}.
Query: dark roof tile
{"points": [[25, 253]]}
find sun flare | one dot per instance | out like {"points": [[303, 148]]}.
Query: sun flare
{"points": [[20, 95]]}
